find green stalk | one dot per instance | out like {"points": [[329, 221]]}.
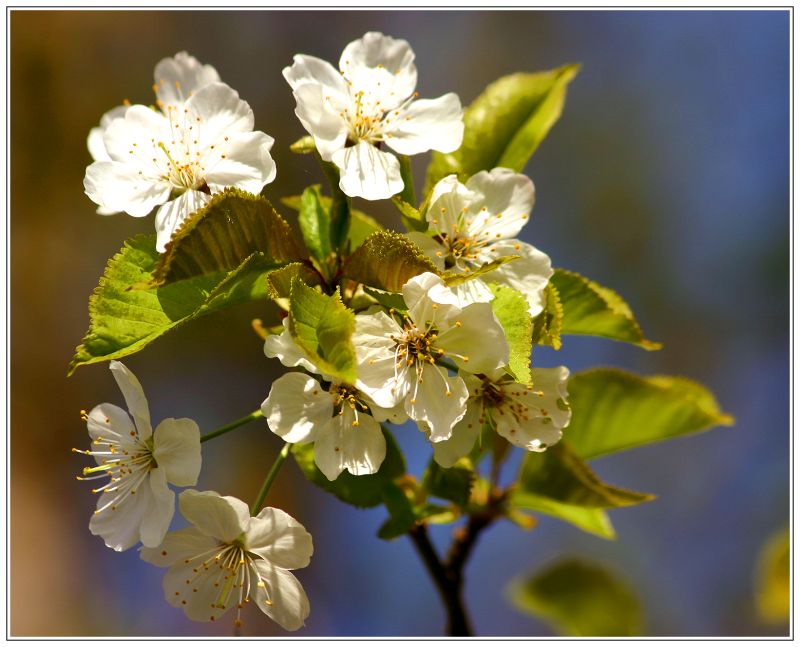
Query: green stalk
{"points": [[230, 427], [273, 472]]}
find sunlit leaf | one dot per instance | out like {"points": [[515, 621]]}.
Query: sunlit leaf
{"points": [[773, 583], [511, 309]]}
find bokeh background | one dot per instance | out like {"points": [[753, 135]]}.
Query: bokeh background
{"points": [[667, 178]]}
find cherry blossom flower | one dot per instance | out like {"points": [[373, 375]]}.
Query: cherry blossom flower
{"points": [[228, 558], [528, 417], [476, 223], [176, 158], [371, 101], [398, 361], [136, 504]]}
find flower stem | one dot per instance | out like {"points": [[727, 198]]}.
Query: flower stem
{"points": [[233, 425], [273, 472]]}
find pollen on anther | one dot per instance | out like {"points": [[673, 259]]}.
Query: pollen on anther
{"points": [[163, 552]]}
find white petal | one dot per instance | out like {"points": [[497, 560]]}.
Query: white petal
{"points": [[375, 58], [133, 139], [196, 593], [221, 112], [465, 433], [508, 199], [159, 507], [446, 212], [171, 215], [282, 597], [427, 124], [280, 539], [297, 407], [344, 445], [429, 299], [473, 291], [134, 397], [222, 517], [177, 78], [321, 119], [437, 399], [118, 524], [117, 187], [553, 382], [529, 274], [108, 421], [177, 547], [284, 348], [246, 164], [431, 248], [310, 69], [480, 338], [534, 435], [95, 143], [367, 172], [177, 450], [396, 414]]}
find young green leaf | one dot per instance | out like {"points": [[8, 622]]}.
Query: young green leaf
{"points": [[511, 309], [547, 324], [365, 491], [559, 474], [401, 513], [361, 225], [591, 309], [505, 124], [279, 282], [220, 236], [591, 520], [773, 579], [452, 484], [386, 260], [315, 224], [123, 321], [412, 218], [453, 277], [303, 146], [578, 598], [322, 326], [613, 410]]}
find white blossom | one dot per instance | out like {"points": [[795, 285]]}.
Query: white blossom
{"points": [[474, 224], [369, 101], [136, 504], [229, 558], [398, 360], [528, 417], [175, 158]]}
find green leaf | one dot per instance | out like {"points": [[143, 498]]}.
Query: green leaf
{"points": [[773, 582], [613, 410], [401, 513], [591, 309], [511, 309], [578, 598], [303, 146], [591, 520], [412, 218], [547, 324], [388, 300], [452, 484], [315, 224], [505, 124], [366, 491], [340, 215], [407, 195], [387, 260], [279, 282], [322, 326], [361, 225], [123, 321], [559, 474], [233, 226]]}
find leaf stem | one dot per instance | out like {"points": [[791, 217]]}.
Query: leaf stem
{"points": [[273, 472], [233, 425]]}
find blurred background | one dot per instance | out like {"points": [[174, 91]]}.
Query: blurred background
{"points": [[667, 178]]}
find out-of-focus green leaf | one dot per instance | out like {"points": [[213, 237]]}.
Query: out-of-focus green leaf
{"points": [[401, 513], [773, 583], [123, 320], [578, 598], [505, 124], [387, 260], [559, 474], [547, 324], [365, 491], [591, 309], [454, 277], [453, 484], [303, 146], [232, 227], [613, 410], [315, 223], [591, 520], [361, 225], [511, 309], [322, 326]]}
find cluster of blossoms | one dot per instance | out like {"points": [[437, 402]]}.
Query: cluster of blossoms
{"points": [[441, 361]]}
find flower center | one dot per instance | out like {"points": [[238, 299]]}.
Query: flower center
{"points": [[347, 397]]}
